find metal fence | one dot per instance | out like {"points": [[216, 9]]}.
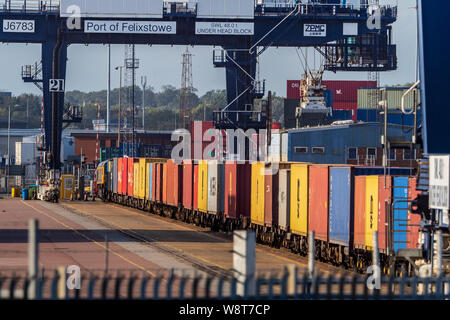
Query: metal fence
{"points": [[168, 285]]}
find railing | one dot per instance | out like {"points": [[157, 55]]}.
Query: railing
{"points": [[29, 5], [170, 284]]}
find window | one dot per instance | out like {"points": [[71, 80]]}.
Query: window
{"points": [[409, 155], [318, 150], [352, 153], [300, 150], [392, 154], [371, 152]]}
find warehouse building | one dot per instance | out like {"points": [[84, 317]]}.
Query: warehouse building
{"points": [[352, 143]]}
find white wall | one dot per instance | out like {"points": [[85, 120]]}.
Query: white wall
{"points": [[115, 8]]}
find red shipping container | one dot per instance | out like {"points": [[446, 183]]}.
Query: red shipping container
{"points": [[276, 126], [271, 199], [165, 182], [119, 175], [124, 176], [384, 199], [130, 176], [173, 182], [195, 184], [414, 219], [237, 186], [347, 91], [318, 201], [359, 229], [293, 89], [188, 184]]}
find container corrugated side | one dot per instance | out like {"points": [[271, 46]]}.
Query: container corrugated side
{"points": [[195, 187], [202, 186], [368, 98], [130, 178], [136, 179], [237, 185], [115, 174], [119, 175], [400, 212], [142, 177], [149, 181], [188, 184], [384, 200]]}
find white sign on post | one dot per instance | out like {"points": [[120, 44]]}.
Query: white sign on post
{"points": [[439, 182]]}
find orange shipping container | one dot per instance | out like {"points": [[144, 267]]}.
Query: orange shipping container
{"points": [[130, 176], [195, 188], [165, 182], [360, 212], [318, 201]]}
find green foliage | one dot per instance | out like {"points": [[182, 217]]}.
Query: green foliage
{"points": [[161, 107]]}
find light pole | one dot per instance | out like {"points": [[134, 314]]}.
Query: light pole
{"points": [[144, 84], [108, 90], [120, 102], [9, 142]]}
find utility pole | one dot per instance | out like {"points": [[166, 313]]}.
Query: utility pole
{"points": [[120, 105], [108, 91], [187, 88], [144, 85], [131, 64]]}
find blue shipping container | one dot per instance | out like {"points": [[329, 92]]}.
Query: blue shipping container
{"points": [[341, 206], [400, 208]]}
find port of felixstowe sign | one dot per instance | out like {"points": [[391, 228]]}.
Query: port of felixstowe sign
{"points": [[142, 27]]}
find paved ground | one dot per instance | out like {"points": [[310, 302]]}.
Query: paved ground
{"points": [[75, 233]]}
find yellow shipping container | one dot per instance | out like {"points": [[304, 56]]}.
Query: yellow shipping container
{"points": [[371, 209], [299, 199], [136, 179], [143, 179], [257, 193], [67, 186], [203, 186]]}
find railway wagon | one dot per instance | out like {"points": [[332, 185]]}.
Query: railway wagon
{"points": [[342, 204]]}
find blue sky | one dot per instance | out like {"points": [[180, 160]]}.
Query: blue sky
{"points": [[86, 69]]}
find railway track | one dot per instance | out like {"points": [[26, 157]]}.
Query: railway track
{"points": [[215, 271], [207, 267]]}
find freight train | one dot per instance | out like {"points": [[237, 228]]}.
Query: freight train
{"points": [[342, 204]]}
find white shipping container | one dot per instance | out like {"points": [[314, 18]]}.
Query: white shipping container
{"points": [[25, 153], [284, 198], [216, 187], [113, 8], [228, 9]]}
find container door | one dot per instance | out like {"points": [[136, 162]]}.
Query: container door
{"points": [[318, 202], [384, 199], [371, 209], [400, 208], [203, 186], [299, 199], [340, 212], [230, 189], [213, 181], [360, 212], [136, 180], [257, 191], [119, 175], [283, 199], [195, 192], [130, 177]]}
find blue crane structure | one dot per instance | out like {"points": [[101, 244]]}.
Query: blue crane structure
{"points": [[340, 32]]}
